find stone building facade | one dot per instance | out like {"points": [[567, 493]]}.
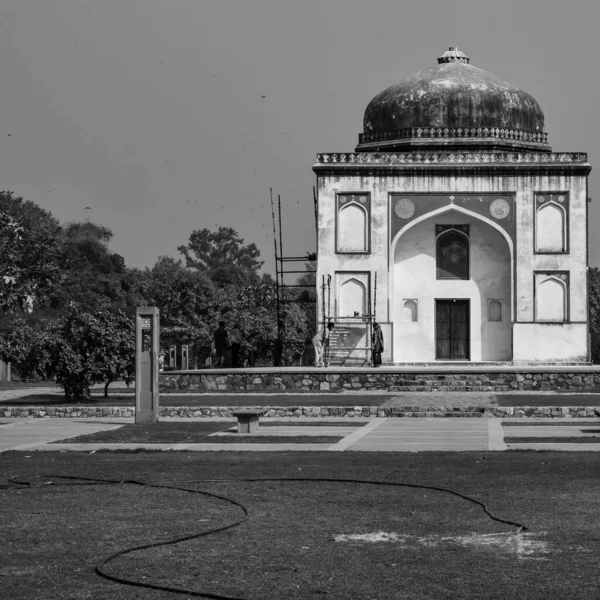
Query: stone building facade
{"points": [[473, 228]]}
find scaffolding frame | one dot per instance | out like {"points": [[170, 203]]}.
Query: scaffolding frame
{"points": [[282, 261]]}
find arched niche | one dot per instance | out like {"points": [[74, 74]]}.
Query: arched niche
{"points": [[352, 232], [550, 299], [353, 296], [550, 228], [494, 311], [410, 311]]}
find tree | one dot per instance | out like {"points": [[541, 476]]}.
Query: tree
{"points": [[594, 312], [94, 277], [30, 253], [27, 348], [89, 348], [222, 255]]}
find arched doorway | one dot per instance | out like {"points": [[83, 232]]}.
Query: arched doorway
{"points": [[457, 268]]}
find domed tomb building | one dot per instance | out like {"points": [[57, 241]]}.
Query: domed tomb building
{"points": [[455, 226]]}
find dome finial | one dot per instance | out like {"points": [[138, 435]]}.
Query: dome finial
{"points": [[453, 55]]}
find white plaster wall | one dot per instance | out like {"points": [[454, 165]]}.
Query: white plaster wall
{"points": [[415, 277], [550, 342], [381, 184]]}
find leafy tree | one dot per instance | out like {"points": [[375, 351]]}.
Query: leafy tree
{"points": [[27, 348], [594, 311], [94, 277], [30, 251], [222, 255], [185, 298], [90, 348]]}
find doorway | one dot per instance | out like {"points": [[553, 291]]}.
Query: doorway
{"points": [[452, 337]]}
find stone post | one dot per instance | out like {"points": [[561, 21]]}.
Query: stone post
{"points": [[147, 323]]}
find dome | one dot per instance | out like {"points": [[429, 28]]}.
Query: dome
{"points": [[453, 105]]}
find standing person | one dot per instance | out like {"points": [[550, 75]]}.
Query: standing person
{"points": [[221, 344], [320, 343], [377, 344], [278, 344], [236, 343]]}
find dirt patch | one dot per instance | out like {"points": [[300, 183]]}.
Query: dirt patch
{"points": [[521, 545]]}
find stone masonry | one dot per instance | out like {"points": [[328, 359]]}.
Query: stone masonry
{"points": [[506, 381]]}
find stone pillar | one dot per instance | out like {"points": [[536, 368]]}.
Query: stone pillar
{"points": [[147, 323]]}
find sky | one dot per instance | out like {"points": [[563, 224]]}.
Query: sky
{"points": [[159, 117]]}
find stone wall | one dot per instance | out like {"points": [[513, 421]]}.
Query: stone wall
{"points": [[308, 411], [506, 381]]}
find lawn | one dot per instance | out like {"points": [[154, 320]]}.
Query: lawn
{"points": [[197, 432], [304, 539]]}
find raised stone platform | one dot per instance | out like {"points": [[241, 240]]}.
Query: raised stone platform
{"points": [[428, 410], [434, 378]]}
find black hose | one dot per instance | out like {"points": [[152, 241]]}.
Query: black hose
{"points": [[99, 569]]}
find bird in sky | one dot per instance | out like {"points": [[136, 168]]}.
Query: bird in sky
{"points": [[263, 96], [86, 208], [8, 134]]}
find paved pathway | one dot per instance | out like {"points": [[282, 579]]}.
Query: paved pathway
{"points": [[25, 434], [377, 435], [413, 435]]}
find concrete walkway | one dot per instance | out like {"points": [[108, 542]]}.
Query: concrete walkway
{"points": [[372, 435], [29, 434]]}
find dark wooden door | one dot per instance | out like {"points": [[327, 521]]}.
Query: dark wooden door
{"points": [[452, 330]]}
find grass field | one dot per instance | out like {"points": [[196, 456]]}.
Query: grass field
{"points": [[304, 539], [196, 433]]}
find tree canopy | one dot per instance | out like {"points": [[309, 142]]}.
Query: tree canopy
{"points": [[222, 255], [30, 253]]}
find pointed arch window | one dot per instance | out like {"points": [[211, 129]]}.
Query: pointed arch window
{"points": [[452, 255], [353, 223], [551, 223]]}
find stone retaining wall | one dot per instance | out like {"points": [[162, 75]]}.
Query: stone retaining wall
{"points": [[308, 411], [385, 381]]}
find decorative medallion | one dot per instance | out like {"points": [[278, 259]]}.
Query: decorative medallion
{"points": [[363, 199], [561, 198], [405, 208], [342, 198], [499, 208], [563, 276], [541, 198]]}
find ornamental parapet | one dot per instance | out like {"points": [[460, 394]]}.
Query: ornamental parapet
{"points": [[453, 158], [469, 133]]}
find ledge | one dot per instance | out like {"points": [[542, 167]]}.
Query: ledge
{"points": [[451, 158], [428, 368]]}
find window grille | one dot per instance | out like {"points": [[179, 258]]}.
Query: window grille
{"points": [[452, 256]]}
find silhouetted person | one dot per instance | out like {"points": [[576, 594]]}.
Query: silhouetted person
{"points": [[377, 344], [221, 344], [278, 345], [236, 339]]}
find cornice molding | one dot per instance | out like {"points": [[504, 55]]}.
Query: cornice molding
{"points": [[391, 159]]}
